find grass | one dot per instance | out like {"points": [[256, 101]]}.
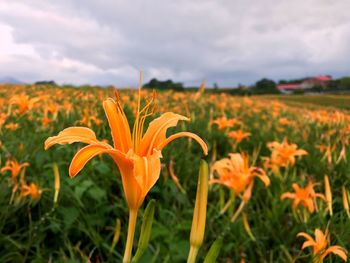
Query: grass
{"points": [[80, 226], [334, 101]]}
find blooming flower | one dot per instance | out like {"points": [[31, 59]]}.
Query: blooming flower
{"points": [[238, 135], [224, 123], [14, 167], [283, 154], [320, 243], [31, 190], [137, 156], [235, 173], [23, 102], [304, 196]]}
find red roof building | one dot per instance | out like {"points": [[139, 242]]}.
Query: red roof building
{"points": [[321, 80]]}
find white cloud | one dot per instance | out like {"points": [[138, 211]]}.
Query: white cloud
{"points": [[221, 41]]}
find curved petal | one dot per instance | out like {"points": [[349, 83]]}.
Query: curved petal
{"points": [[319, 236], [70, 135], [288, 195], [300, 152], [222, 182], [4, 169], [306, 236], [147, 171], [337, 250], [296, 202], [248, 192], [222, 165], [295, 187], [156, 132], [310, 205], [87, 153], [198, 139], [264, 178], [119, 125], [237, 161], [260, 173], [308, 244], [132, 189]]}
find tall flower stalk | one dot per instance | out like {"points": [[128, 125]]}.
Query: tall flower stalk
{"points": [[137, 155]]}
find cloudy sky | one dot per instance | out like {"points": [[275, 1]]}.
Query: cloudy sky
{"points": [[228, 42]]}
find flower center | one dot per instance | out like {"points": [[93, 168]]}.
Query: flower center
{"points": [[141, 116]]}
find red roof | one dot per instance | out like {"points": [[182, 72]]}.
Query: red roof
{"points": [[289, 86], [322, 78]]}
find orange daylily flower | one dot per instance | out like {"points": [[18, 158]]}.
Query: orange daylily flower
{"points": [[12, 126], [14, 167], [224, 123], [3, 117], [23, 102], [32, 190], [238, 135], [320, 243], [235, 173], [136, 155], [304, 196], [283, 154]]}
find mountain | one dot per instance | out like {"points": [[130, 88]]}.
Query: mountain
{"points": [[9, 80]]}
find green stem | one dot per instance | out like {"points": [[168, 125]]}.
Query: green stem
{"points": [[130, 237], [192, 255], [227, 205], [239, 210]]}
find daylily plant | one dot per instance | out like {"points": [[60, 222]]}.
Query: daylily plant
{"points": [[236, 174], [137, 155], [319, 245], [304, 196]]}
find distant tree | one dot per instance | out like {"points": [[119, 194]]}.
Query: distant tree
{"points": [[46, 82], [266, 86], [344, 83], [332, 84], [164, 85]]}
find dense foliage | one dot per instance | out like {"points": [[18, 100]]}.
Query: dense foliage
{"points": [[80, 226]]}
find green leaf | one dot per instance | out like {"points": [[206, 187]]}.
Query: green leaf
{"points": [[213, 251], [146, 229]]}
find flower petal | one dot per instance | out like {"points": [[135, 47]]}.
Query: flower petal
{"points": [[162, 144], [85, 154], [306, 236], [308, 244], [70, 135], [337, 250], [147, 171], [119, 125], [288, 195], [156, 132], [248, 192]]}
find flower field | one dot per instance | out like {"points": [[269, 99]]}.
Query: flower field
{"points": [[79, 166]]}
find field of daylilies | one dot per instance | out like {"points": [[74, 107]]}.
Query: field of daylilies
{"points": [[107, 175]]}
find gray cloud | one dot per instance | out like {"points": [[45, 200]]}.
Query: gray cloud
{"points": [[228, 42]]}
